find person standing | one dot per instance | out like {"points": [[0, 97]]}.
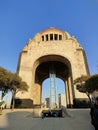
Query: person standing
{"points": [[42, 115], [95, 114]]}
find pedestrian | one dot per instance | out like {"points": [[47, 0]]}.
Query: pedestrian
{"points": [[42, 115], [92, 113], [95, 114]]}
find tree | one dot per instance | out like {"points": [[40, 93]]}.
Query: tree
{"points": [[92, 83], [11, 82], [80, 85], [17, 85], [87, 84], [4, 81]]}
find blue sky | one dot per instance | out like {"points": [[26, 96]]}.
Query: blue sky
{"points": [[22, 19]]}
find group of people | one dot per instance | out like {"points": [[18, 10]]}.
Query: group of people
{"points": [[94, 113]]}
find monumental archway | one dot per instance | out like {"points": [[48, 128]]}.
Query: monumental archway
{"points": [[51, 47]]}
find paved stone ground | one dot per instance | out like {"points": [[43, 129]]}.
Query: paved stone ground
{"points": [[23, 120]]}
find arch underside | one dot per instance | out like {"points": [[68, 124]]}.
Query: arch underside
{"points": [[61, 65], [42, 71]]}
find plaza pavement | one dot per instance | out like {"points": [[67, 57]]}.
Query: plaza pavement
{"points": [[22, 119]]}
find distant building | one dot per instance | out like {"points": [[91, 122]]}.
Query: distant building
{"points": [[62, 100], [47, 102]]}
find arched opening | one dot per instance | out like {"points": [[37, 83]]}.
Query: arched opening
{"points": [[62, 70], [60, 91]]}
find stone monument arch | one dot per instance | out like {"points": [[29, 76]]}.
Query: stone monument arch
{"points": [[50, 47]]}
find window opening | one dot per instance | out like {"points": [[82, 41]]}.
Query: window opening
{"points": [[55, 37], [46, 37], [51, 37], [60, 37], [42, 38]]}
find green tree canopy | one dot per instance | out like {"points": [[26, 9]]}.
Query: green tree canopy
{"points": [[4, 81], [80, 84], [92, 83], [17, 84], [87, 84]]}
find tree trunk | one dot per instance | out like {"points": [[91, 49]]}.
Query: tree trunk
{"points": [[13, 100], [89, 98]]}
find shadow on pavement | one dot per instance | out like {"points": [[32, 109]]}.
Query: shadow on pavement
{"points": [[11, 120]]}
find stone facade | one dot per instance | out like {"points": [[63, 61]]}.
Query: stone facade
{"points": [[51, 46]]}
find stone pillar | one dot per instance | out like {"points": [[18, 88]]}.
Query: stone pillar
{"points": [[37, 94], [70, 91], [67, 93]]}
